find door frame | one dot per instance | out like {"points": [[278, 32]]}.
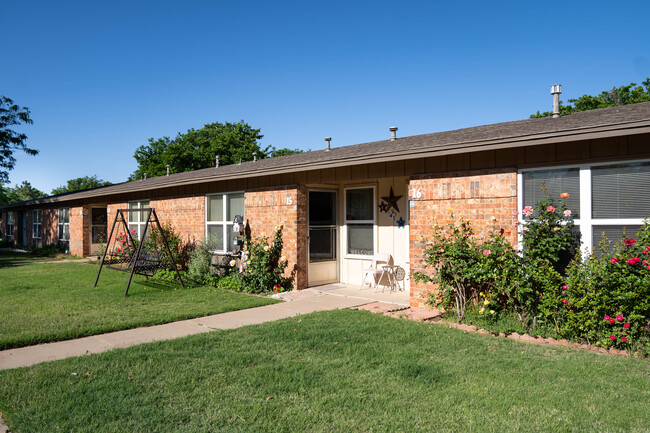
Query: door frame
{"points": [[337, 249], [94, 247]]}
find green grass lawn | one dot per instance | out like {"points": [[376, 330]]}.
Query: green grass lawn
{"points": [[57, 301], [340, 371], [12, 257]]}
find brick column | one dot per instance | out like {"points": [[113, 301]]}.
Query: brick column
{"points": [[476, 195]]}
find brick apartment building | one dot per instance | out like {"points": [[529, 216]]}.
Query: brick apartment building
{"points": [[340, 206]]}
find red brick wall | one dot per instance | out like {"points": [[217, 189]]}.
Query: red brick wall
{"points": [[49, 226], [79, 231], [476, 195], [269, 207], [186, 214]]}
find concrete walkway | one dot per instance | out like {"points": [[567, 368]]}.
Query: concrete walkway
{"points": [[323, 298]]}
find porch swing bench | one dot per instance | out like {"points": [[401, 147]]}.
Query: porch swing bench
{"points": [[143, 261], [147, 263]]}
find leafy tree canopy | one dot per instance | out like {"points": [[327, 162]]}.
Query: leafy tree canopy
{"points": [[22, 192], [10, 140], [630, 94], [197, 148], [80, 183]]}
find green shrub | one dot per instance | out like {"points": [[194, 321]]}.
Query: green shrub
{"points": [[616, 284], [200, 263], [231, 282], [179, 248], [263, 267]]}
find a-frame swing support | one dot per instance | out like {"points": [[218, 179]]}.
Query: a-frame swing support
{"points": [[119, 218]]}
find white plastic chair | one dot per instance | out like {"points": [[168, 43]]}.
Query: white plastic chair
{"points": [[377, 269]]}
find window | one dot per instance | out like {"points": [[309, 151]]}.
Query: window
{"points": [[36, 224], [64, 224], [360, 221], [607, 200], [220, 213], [10, 225], [138, 220]]}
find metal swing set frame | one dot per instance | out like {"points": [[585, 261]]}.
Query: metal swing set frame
{"points": [[144, 262]]}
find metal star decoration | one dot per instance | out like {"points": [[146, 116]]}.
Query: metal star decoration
{"points": [[392, 199], [400, 223], [383, 207]]}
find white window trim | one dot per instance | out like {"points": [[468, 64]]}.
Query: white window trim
{"points": [[39, 224], [59, 223], [585, 222], [139, 223], [224, 222], [373, 222], [10, 232]]}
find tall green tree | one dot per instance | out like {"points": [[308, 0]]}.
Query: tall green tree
{"points": [[10, 140], [22, 192], [197, 148], [80, 183], [630, 94]]}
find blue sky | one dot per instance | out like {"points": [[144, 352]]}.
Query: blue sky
{"points": [[100, 78]]}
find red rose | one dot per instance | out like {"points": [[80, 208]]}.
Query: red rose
{"points": [[611, 337], [623, 339], [626, 325], [619, 317], [564, 301], [606, 318], [612, 320], [634, 260]]}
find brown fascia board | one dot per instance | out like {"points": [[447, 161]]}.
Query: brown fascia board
{"points": [[414, 151]]}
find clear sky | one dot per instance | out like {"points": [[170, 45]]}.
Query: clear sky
{"points": [[100, 78]]}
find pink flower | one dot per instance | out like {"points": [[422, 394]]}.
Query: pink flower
{"points": [[634, 260], [629, 242], [565, 287], [612, 320], [626, 325], [611, 337], [524, 229], [623, 339], [528, 211], [550, 209], [118, 249], [132, 232], [614, 260], [486, 252], [564, 301], [619, 317], [646, 250], [606, 318], [567, 213]]}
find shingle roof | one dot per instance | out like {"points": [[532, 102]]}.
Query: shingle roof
{"points": [[620, 120]]}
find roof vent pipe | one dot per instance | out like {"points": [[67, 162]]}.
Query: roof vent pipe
{"points": [[254, 156], [556, 89], [168, 169], [216, 161], [393, 133], [144, 177], [328, 140]]}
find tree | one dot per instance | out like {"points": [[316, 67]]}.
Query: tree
{"points": [[10, 140], [22, 192], [196, 149], [80, 183], [630, 94]]}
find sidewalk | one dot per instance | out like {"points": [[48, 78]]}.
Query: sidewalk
{"points": [[302, 302]]}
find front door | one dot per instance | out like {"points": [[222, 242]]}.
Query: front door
{"points": [[98, 228], [322, 238]]}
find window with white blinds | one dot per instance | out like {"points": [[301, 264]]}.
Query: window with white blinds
{"points": [[551, 183], [617, 190], [607, 200]]}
